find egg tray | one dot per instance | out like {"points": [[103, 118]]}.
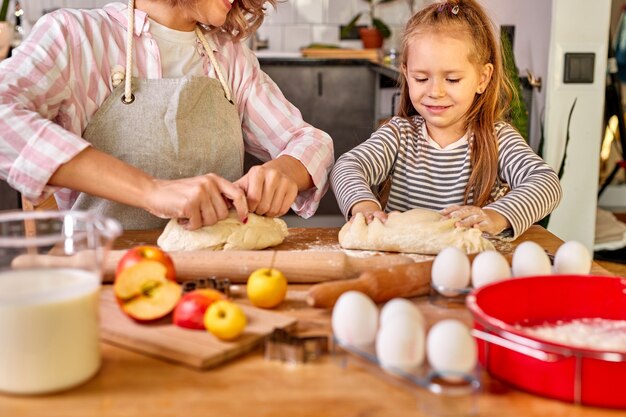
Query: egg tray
{"points": [[436, 395], [436, 295]]}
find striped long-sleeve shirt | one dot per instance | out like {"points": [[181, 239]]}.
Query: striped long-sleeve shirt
{"points": [[60, 76], [424, 175]]}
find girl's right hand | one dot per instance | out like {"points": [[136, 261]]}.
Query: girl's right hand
{"points": [[201, 201], [370, 211]]}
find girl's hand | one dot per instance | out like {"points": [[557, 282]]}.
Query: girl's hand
{"points": [[196, 201], [269, 191], [486, 220], [370, 210]]}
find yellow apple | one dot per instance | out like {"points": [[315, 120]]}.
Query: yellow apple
{"points": [[225, 319], [144, 292], [190, 310], [266, 287]]}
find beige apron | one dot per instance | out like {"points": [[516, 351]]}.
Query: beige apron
{"points": [[172, 128]]}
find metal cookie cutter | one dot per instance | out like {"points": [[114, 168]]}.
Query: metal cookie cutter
{"points": [[283, 346], [219, 284]]}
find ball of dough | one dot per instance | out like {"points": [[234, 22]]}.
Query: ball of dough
{"points": [[229, 234]]}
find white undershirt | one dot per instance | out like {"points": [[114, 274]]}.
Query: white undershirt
{"points": [[179, 56], [459, 142]]}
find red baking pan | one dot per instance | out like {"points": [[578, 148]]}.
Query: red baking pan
{"points": [[580, 375]]}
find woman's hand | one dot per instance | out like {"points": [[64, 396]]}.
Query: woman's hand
{"points": [[486, 220], [200, 201], [370, 210], [268, 189]]}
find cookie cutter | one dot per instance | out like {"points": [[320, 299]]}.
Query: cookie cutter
{"points": [[220, 284], [286, 347]]}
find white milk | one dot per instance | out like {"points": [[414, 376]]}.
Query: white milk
{"points": [[49, 337]]}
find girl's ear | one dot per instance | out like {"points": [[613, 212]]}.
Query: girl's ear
{"points": [[485, 77]]}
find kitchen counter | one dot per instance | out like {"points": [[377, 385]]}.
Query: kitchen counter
{"points": [[131, 384], [389, 71]]}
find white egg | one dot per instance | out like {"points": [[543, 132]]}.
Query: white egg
{"points": [[451, 349], [355, 319], [572, 257], [489, 266], [530, 259], [400, 344], [450, 271], [400, 306]]}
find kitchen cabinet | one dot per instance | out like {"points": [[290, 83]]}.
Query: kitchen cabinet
{"points": [[336, 96], [9, 198]]}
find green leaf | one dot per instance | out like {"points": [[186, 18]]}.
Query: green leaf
{"points": [[382, 28], [518, 113], [569, 120], [3, 10], [351, 24]]}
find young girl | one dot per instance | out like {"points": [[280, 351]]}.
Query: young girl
{"points": [[143, 112], [448, 149]]}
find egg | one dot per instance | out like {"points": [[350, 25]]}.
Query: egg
{"points": [[489, 266], [451, 349], [400, 343], [400, 307], [572, 257], [355, 319], [450, 271], [530, 259]]}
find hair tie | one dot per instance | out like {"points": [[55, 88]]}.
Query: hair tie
{"points": [[453, 9]]}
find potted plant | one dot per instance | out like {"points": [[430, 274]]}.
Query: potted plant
{"points": [[6, 30], [377, 30]]}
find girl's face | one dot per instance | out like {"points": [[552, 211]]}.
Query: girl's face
{"points": [[443, 82]]}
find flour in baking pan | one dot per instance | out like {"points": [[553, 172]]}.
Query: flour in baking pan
{"points": [[589, 333]]}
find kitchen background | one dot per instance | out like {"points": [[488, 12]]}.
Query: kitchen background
{"points": [[545, 30]]}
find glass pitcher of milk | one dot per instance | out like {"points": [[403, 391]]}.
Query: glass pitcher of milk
{"points": [[50, 272]]}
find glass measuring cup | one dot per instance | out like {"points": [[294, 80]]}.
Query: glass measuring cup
{"points": [[50, 272]]}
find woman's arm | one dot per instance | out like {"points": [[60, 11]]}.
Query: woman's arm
{"points": [[275, 132], [198, 199]]}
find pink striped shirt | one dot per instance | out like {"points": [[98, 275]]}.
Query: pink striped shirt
{"points": [[60, 76]]}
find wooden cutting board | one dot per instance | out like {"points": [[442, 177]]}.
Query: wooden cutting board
{"points": [[194, 348], [342, 53]]}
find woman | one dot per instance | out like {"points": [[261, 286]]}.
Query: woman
{"points": [[168, 142]]}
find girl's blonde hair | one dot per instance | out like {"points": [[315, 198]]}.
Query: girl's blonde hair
{"points": [[242, 20], [489, 107]]}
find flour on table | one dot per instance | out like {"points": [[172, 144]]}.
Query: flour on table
{"points": [[229, 234], [414, 231]]}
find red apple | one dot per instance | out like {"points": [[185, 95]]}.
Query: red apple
{"points": [[189, 311], [154, 253], [144, 292]]}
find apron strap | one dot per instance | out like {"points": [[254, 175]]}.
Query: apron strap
{"points": [[218, 71], [128, 96]]}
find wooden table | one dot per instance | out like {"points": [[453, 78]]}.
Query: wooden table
{"points": [[130, 384]]}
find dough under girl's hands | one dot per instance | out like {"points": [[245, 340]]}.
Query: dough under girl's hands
{"points": [[370, 211], [486, 220]]}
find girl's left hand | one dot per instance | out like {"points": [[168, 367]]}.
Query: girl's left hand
{"points": [[486, 220], [269, 191]]}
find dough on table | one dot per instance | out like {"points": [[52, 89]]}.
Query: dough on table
{"points": [[229, 234], [414, 231]]}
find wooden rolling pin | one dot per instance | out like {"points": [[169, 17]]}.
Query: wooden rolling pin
{"points": [[380, 284], [298, 266]]}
